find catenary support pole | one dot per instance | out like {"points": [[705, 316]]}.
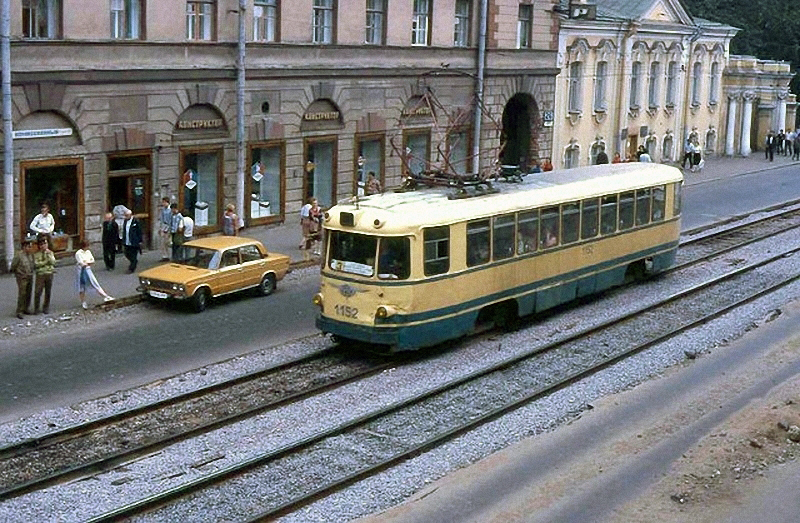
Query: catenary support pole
{"points": [[8, 139], [476, 138], [240, 153]]}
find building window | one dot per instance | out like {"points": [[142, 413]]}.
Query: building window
{"points": [[417, 151], [200, 20], [201, 187], [420, 23], [652, 91], [369, 160], [265, 21], [572, 156], [376, 22], [41, 18], [320, 168], [575, 71], [461, 36], [126, 19], [672, 77], [636, 71], [667, 148], [600, 87], [697, 70], [266, 197], [714, 87], [458, 152], [323, 20], [524, 26]]}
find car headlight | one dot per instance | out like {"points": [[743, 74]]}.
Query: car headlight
{"points": [[384, 311], [318, 301], [144, 281]]}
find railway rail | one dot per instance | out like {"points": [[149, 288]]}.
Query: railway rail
{"points": [[85, 449], [330, 370], [392, 437]]}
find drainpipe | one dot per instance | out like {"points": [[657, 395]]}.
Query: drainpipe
{"points": [[8, 139], [476, 137], [240, 72]]}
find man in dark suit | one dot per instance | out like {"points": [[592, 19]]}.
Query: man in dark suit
{"points": [[110, 241], [131, 239]]}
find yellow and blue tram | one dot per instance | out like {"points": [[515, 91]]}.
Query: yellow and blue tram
{"points": [[412, 269]]}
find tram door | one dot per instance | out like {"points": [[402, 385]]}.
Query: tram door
{"points": [[129, 185]]}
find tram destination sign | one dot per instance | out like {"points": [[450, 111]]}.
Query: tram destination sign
{"points": [[41, 133]]}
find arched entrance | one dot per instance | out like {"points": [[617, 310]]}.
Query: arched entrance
{"points": [[519, 141]]}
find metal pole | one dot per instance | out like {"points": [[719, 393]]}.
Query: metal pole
{"points": [[240, 113], [8, 140], [476, 138]]}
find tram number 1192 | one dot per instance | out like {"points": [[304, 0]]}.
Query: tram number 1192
{"points": [[346, 311]]}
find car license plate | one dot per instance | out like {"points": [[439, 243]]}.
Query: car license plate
{"points": [[158, 294]]}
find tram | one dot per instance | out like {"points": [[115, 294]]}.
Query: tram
{"points": [[407, 270]]}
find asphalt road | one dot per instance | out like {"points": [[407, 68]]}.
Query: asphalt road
{"points": [[136, 345], [142, 343]]}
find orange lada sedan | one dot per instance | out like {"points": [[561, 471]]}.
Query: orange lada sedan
{"points": [[212, 267]]}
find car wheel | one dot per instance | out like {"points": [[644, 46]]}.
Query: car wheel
{"points": [[267, 285], [200, 300]]}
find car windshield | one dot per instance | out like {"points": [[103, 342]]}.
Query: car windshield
{"points": [[200, 257]]}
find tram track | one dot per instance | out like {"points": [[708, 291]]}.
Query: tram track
{"points": [[395, 434], [110, 460], [101, 444]]}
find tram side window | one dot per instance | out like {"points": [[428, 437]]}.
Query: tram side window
{"points": [[527, 231], [394, 258], [437, 250], [589, 216], [570, 222], [659, 203], [626, 210], [503, 237], [643, 206], [676, 201], [608, 215], [477, 242], [549, 231]]}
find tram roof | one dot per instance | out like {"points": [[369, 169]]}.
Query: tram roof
{"points": [[399, 212]]}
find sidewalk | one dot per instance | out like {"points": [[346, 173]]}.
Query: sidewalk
{"points": [[283, 238]]}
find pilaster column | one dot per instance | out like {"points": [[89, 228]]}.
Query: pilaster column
{"points": [[781, 108], [747, 117], [730, 128]]}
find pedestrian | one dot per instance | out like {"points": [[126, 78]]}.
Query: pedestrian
{"points": [[617, 158], [84, 274], [230, 222], [373, 184], [687, 153], [789, 146], [131, 239], [22, 265], [44, 223], [110, 241], [640, 151], [176, 232], [315, 230], [769, 149], [44, 262], [305, 222], [796, 155], [779, 140], [697, 157], [644, 157], [547, 165], [188, 229], [602, 158], [164, 221]]}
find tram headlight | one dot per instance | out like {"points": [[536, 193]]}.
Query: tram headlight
{"points": [[384, 311], [318, 301]]}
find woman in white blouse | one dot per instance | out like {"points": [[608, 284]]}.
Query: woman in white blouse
{"points": [[84, 274]]}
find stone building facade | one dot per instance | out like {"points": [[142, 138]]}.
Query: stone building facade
{"points": [[645, 73], [128, 101]]}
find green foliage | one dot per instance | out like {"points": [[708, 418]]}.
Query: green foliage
{"points": [[770, 29]]}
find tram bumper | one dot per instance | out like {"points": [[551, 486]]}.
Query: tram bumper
{"points": [[365, 333]]}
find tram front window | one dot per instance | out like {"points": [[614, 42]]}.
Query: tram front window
{"points": [[394, 259], [353, 253]]}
